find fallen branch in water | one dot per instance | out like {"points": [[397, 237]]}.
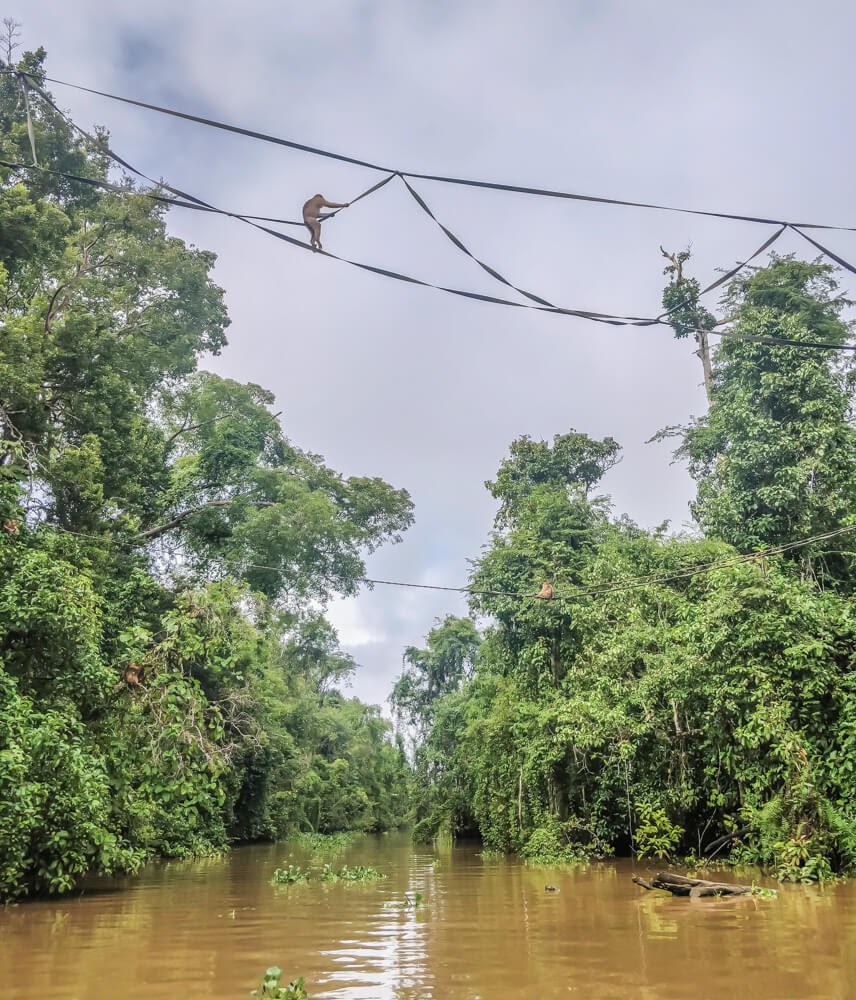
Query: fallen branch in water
{"points": [[679, 885]]}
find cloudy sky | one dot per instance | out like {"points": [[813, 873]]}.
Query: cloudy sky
{"points": [[742, 107]]}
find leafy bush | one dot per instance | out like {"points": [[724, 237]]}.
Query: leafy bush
{"points": [[710, 685], [165, 692], [656, 836], [327, 843], [550, 844], [55, 801]]}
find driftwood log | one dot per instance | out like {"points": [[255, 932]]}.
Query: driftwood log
{"points": [[679, 885]]}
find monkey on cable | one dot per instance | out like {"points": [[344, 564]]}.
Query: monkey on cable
{"points": [[546, 592], [313, 218]]}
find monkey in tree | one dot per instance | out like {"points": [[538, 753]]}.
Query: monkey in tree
{"points": [[10, 526], [546, 592], [133, 675], [313, 218]]}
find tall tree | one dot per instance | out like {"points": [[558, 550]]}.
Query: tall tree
{"points": [[167, 680], [775, 457], [686, 316], [669, 695], [572, 461], [431, 673]]}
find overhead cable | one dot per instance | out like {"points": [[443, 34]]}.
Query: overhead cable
{"points": [[440, 178], [608, 587], [25, 87], [186, 200], [597, 590], [825, 251], [610, 319], [636, 320], [173, 202]]}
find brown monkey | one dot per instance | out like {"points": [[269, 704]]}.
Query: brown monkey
{"points": [[546, 592], [312, 216], [10, 526], [133, 675]]}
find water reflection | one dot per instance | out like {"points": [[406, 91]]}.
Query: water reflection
{"points": [[486, 930]]}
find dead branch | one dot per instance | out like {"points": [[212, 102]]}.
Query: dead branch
{"points": [[161, 529]]}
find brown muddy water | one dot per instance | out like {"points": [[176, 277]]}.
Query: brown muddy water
{"points": [[486, 930]]}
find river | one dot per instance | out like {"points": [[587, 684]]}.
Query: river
{"points": [[486, 929]]}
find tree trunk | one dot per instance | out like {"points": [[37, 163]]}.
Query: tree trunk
{"points": [[704, 353], [679, 885]]}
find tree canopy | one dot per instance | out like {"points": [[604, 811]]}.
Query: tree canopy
{"points": [[168, 682], [674, 697]]}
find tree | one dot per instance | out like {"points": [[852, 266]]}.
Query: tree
{"points": [[236, 493], [547, 527], [671, 695], [573, 460], [426, 697], [775, 457], [167, 678], [685, 315], [432, 673]]}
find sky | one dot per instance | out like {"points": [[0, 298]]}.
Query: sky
{"points": [[736, 107]]}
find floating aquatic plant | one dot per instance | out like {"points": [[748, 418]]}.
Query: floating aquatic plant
{"points": [[271, 990], [287, 876]]}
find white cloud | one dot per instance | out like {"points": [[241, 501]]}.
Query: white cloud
{"points": [[349, 620]]}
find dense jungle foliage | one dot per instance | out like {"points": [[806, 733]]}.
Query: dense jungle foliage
{"points": [[168, 681], [704, 711]]}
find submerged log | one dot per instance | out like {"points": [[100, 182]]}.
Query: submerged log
{"points": [[680, 885]]}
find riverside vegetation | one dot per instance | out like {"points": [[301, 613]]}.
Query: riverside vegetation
{"points": [[710, 707], [169, 683]]}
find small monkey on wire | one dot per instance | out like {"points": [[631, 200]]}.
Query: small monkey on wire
{"points": [[313, 218], [546, 592]]}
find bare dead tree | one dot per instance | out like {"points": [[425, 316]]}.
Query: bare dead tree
{"points": [[9, 36]]}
